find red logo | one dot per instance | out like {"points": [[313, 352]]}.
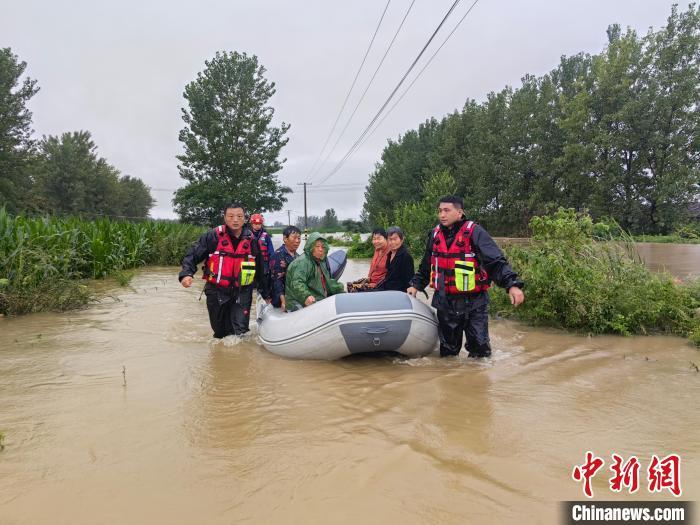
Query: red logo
{"points": [[665, 474], [626, 475], [661, 474], [587, 471]]}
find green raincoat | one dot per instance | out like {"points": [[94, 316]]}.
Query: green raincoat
{"points": [[304, 277]]}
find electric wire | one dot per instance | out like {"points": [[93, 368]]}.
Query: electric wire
{"points": [[347, 97], [391, 96], [362, 97]]}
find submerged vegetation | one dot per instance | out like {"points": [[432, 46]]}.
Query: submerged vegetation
{"points": [[579, 274], [123, 277], [580, 281], [43, 261]]}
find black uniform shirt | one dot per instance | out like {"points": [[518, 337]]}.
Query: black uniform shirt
{"points": [[488, 254], [207, 244]]}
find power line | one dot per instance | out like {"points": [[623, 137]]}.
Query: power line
{"points": [[418, 75], [389, 98], [354, 81], [362, 97], [333, 190]]}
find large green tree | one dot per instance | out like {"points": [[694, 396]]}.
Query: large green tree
{"points": [[15, 132], [330, 219], [617, 133], [232, 150], [71, 179]]}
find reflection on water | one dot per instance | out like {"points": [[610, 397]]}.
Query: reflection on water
{"points": [[224, 432]]}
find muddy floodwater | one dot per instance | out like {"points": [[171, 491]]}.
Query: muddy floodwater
{"points": [[128, 413], [681, 260]]}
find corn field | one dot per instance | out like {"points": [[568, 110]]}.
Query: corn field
{"points": [[43, 259]]}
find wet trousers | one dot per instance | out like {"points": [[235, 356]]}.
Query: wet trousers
{"points": [[466, 315], [229, 310]]}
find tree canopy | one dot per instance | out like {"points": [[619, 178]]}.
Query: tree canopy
{"points": [[61, 175], [616, 133], [232, 150], [72, 180], [15, 131]]}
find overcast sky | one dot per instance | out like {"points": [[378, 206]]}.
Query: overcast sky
{"points": [[118, 70]]}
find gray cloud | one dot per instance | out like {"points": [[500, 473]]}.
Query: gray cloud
{"points": [[119, 69]]}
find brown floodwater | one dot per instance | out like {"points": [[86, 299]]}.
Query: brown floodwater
{"points": [[127, 412], [681, 260]]}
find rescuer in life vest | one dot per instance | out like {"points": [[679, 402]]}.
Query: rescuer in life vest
{"points": [[460, 261], [233, 267], [264, 239]]}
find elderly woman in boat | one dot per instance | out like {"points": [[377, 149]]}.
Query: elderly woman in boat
{"points": [[308, 277]]}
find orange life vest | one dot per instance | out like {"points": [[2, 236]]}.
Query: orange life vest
{"points": [[227, 266], [456, 269]]}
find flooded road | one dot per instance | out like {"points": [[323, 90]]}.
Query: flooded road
{"points": [[127, 412], [681, 260]]}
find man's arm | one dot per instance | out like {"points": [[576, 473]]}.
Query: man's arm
{"points": [[493, 260], [275, 272], [262, 276], [198, 252], [297, 276], [270, 246], [422, 276], [334, 287]]}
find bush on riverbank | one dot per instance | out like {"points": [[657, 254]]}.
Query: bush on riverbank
{"points": [[360, 249], [576, 282], [343, 240], [43, 260], [666, 239]]}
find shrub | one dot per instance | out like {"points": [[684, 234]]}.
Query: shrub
{"points": [[360, 249], [42, 260], [576, 282]]}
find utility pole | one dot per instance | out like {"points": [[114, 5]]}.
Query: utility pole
{"points": [[306, 217], [289, 217]]}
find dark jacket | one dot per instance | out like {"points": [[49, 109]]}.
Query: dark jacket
{"points": [[207, 244], [268, 243], [279, 262], [399, 271], [487, 252]]}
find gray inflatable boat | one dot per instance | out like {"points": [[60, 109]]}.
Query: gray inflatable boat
{"points": [[347, 324]]}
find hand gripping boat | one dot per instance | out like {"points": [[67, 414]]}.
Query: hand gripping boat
{"points": [[350, 323], [346, 324]]}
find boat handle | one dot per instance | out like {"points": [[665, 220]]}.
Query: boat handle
{"points": [[373, 331]]}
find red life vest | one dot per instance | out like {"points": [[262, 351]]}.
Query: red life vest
{"points": [[227, 267], [456, 269], [262, 242]]}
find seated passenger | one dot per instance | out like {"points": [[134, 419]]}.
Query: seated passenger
{"points": [[280, 261], [399, 263], [308, 277], [377, 268]]}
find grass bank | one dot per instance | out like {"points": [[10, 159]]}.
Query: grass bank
{"points": [[579, 282], [45, 261], [666, 239]]}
